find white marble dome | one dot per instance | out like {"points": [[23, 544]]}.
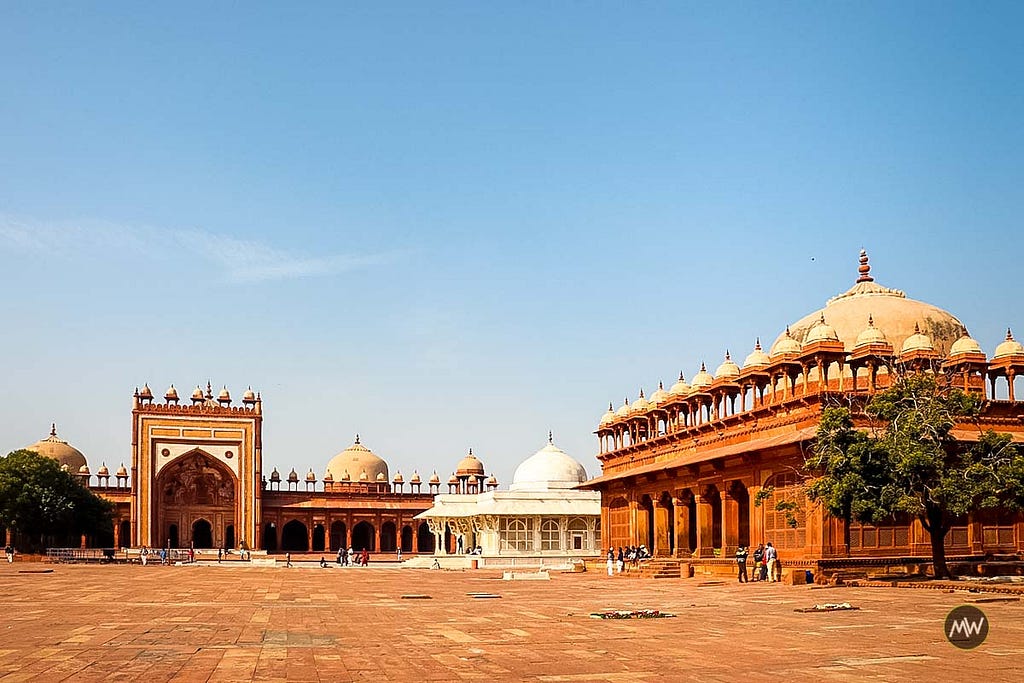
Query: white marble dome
{"points": [[548, 468]]}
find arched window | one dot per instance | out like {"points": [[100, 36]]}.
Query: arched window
{"points": [[515, 534], [578, 535], [550, 535]]}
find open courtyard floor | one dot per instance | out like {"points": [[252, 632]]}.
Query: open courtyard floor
{"points": [[236, 623]]}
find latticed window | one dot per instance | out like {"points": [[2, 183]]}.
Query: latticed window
{"points": [[788, 488], [516, 535], [550, 535], [618, 520], [889, 535]]}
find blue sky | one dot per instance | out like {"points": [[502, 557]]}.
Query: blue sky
{"points": [[447, 226]]}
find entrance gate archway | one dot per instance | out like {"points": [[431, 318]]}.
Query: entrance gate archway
{"points": [[202, 534], [293, 537], [362, 536], [191, 488]]}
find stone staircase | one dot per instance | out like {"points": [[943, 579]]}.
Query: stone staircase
{"points": [[658, 568]]}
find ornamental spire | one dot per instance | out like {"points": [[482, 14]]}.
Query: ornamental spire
{"points": [[865, 268]]}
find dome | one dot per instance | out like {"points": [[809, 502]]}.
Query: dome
{"points": [[964, 345], [548, 468], [197, 395], [224, 395], [680, 388], [146, 392], [345, 476], [381, 477], [623, 410], [870, 335], [399, 479], [917, 342], [59, 450], [357, 458], [608, 417], [310, 476], [492, 480], [363, 476], [103, 471], [415, 478], [84, 469], [122, 471], [293, 475], [275, 475], [1009, 347], [172, 394], [702, 379], [453, 479], [659, 395], [757, 358], [893, 313], [249, 396], [728, 369], [785, 345], [470, 466], [822, 332], [328, 477], [434, 479], [640, 404]]}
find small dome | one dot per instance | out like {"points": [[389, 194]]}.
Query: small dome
{"points": [[624, 409], [548, 468], [84, 469], [1009, 347], [434, 479], [640, 404], [293, 475], [224, 395], [415, 478], [146, 392], [381, 477], [275, 475], [822, 332], [453, 479], [608, 417], [757, 358], [702, 379], [249, 396], [197, 395], [345, 476], [470, 466], [363, 476], [680, 388], [785, 345], [728, 369], [357, 458], [917, 342], [659, 395], [964, 345], [492, 480], [310, 477], [398, 478], [59, 450], [328, 477], [121, 471], [870, 335], [172, 394], [103, 471]]}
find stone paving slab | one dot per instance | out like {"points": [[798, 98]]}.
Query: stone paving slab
{"points": [[237, 623]]}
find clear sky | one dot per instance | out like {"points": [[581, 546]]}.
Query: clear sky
{"points": [[447, 226]]}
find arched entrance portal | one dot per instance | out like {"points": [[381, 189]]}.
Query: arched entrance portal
{"points": [[270, 537], [194, 487], [338, 535], [388, 537], [362, 536], [318, 538], [406, 539], [293, 537], [424, 538], [202, 534]]}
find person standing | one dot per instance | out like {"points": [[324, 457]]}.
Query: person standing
{"points": [[340, 551], [144, 555], [287, 559], [399, 552], [758, 561], [741, 564], [611, 561], [621, 560], [366, 557], [220, 555], [771, 557], [9, 550]]}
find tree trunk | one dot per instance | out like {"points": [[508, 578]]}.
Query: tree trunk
{"points": [[937, 531]]}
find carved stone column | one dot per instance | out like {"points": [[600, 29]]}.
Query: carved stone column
{"points": [[705, 524]]}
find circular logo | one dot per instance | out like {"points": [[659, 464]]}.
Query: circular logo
{"points": [[966, 627]]}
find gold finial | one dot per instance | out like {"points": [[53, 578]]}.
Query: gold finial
{"points": [[865, 268]]}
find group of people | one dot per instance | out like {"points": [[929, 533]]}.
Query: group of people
{"points": [[766, 564], [632, 554], [350, 557]]}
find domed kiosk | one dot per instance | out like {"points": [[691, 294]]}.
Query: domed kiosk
{"points": [[357, 459], [542, 518], [69, 457]]}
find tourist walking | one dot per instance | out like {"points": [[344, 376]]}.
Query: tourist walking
{"points": [[340, 551], [611, 561], [366, 557], [741, 564], [144, 555], [771, 558], [9, 550], [220, 554], [163, 555], [622, 560], [287, 559], [399, 553], [758, 562]]}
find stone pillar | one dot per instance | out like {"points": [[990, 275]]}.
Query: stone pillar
{"points": [[682, 513], [376, 537], [117, 533], [730, 524], [704, 527], [661, 541]]}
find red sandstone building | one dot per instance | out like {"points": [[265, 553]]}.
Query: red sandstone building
{"points": [[682, 469]]}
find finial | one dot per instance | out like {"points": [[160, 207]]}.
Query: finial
{"points": [[551, 439], [660, 385], [357, 438], [53, 429], [865, 268], [788, 333], [702, 367], [821, 318], [871, 320], [757, 344], [610, 408], [209, 389], [681, 376], [471, 451], [625, 401], [1009, 334], [136, 392], [641, 392], [917, 329], [727, 355]]}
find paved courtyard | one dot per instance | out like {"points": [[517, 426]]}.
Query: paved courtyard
{"points": [[235, 623]]}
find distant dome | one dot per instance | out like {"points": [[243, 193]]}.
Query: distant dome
{"points": [[659, 395], [122, 471], [785, 345], [893, 313], [702, 379], [548, 468], [821, 332], [623, 410], [870, 335], [917, 342], [1009, 347], [59, 450], [103, 471], [965, 344], [680, 388], [608, 417], [310, 476], [470, 466], [757, 358], [434, 479], [358, 458], [415, 478], [640, 404], [728, 369]]}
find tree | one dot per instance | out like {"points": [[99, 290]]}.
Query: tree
{"points": [[910, 463], [42, 502]]}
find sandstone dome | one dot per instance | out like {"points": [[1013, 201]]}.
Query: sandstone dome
{"points": [[357, 459], [470, 466], [59, 450], [548, 468], [891, 311]]}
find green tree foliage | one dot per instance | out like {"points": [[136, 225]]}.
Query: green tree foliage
{"points": [[909, 463], [43, 503]]}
